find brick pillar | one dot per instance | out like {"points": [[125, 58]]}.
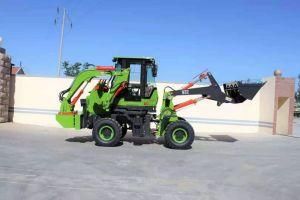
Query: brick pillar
{"points": [[284, 91], [5, 71]]}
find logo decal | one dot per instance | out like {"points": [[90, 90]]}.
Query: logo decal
{"points": [[185, 92]]}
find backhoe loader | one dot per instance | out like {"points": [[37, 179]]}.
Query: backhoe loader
{"points": [[126, 99]]}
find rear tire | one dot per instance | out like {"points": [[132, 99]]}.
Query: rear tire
{"points": [[107, 132], [179, 135]]}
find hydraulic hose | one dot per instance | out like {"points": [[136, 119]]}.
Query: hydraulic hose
{"points": [[62, 93]]}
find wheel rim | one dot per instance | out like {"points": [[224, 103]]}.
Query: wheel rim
{"points": [[106, 133], [179, 135]]}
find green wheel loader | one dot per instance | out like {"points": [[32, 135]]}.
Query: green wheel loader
{"points": [[126, 99]]}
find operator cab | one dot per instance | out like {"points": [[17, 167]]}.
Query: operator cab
{"points": [[143, 71]]}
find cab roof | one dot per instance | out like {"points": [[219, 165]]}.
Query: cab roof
{"points": [[116, 58]]}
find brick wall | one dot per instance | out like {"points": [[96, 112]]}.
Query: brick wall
{"points": [[5, 68]]}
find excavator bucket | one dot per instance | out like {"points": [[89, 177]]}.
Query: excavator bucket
{"points": [[239, 91]]}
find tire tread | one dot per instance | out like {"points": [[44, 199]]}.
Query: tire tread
{"points": [[170, 127], [118, 132]]}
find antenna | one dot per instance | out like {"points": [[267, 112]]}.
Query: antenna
{"points": [[65, 17]]}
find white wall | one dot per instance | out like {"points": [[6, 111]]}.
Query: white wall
{"points": [[35, 101], [267, 105]]}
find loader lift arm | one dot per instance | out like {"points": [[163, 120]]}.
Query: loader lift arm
{"points": [[212, 92], [234, 92]]}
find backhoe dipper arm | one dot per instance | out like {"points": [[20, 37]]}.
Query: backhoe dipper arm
{"points": [[68, 104]]}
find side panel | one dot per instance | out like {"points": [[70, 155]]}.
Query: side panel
{"points": [[66, 121], [151, 102]]}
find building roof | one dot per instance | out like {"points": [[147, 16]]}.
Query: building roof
{"points": [[17, 70]]}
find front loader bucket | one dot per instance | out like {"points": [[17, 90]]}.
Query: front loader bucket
{"points": [[239, 91]]}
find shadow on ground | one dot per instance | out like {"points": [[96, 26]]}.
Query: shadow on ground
{"points": [[153, 140], [129, 139], [218, 138], [292, 136], [143, 140], [81, 139]]}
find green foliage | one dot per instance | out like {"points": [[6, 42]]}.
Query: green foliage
{"points": [[74, 69], [87, 65]]}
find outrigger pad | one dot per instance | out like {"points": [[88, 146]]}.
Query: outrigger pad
{"points": [[239, 91]]}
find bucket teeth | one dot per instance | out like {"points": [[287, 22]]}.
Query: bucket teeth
{"points": [[239, 91]]}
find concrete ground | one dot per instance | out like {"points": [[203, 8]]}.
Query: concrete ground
{"points": [[48, 163]]}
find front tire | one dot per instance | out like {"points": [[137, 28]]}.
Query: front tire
{"points": [[179, 135], [107, 132]]}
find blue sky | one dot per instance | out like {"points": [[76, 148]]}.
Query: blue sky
{"points": [[234, 39]]}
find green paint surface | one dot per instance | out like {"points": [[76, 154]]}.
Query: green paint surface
{"points": [[66, 121], [167, 113]]}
